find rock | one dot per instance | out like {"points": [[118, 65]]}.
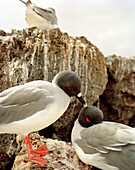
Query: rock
{"points": [[118, 100], [32, 54], [6, 162], [62, 156], [2, 33], [8, 149]]}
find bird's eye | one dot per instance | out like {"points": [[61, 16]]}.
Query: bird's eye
{"points": [[87, 119], [70, 88]]}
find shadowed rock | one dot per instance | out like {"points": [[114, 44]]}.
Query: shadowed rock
{"points": [[118, 100]]}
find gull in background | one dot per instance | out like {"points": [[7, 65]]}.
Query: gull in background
{"points": [[39, 17]]}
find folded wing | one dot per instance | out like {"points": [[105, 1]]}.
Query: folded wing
{"points": [[22, 101]]}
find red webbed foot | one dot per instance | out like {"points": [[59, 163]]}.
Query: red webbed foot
{"points": [[39, 160], [42, 150]]}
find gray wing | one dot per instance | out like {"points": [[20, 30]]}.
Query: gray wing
{"points": [[22, 101], [47, 14], [106, 136], [21, 95], [114, 142]]}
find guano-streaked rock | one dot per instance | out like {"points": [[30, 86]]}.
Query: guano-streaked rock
{"points": [[32, 54]]}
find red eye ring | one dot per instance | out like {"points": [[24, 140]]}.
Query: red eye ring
{"points": [[87, 119], [70, 88]]}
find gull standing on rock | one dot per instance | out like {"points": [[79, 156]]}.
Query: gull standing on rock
{"points": [[41, 18], [35, 105], [103, 144]]}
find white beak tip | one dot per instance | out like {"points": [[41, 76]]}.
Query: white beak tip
{"points": [[79, 95]]}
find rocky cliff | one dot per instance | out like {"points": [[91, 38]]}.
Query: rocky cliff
{"points": [[118, 99], [32, 54]]}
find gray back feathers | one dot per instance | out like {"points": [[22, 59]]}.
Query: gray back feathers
{"points": [[115, 142], [48, 14]]}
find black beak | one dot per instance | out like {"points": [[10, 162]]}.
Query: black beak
{"points": [[80, 98]]}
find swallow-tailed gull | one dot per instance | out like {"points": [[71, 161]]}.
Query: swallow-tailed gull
{"points": [[36, 105], [103, 144], [40, 17]]}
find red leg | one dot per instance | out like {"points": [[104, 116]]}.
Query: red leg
{"points": [[42, 150], [27, 142]]}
